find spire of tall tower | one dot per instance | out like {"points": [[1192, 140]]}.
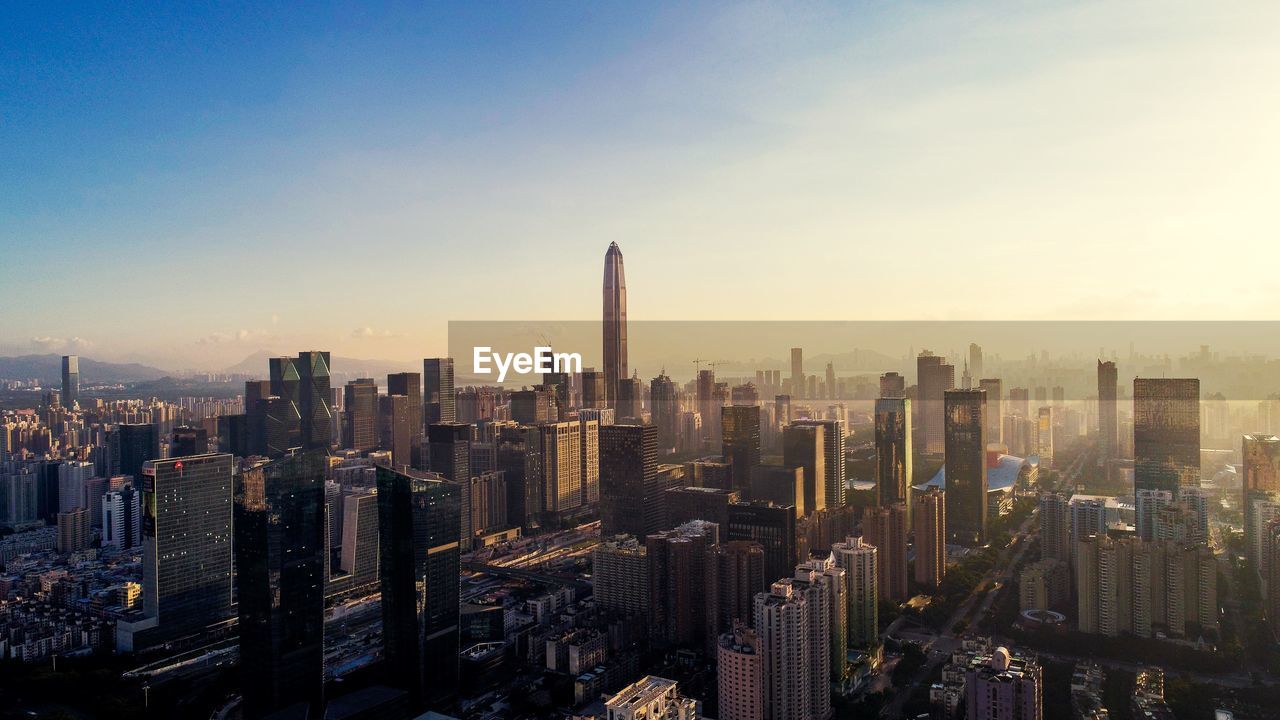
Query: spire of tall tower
{"points": [[615, 323]]}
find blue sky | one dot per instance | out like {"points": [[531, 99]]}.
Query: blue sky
{"points": [[187, 185]]}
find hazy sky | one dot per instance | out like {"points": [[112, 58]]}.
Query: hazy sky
{"points": [[186, 186]]}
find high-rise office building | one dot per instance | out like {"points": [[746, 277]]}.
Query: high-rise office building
{"points": [[419, 520], [1166, 433], [833, 476], [740, 433], [803, 446], [615, 323], [930, 519], [933, 378], [1108, 435], [73, 479], [440, 404], [797, 372], [773, 527], [410, 386], [1260, 482], [664, 404], [70, 380], [893, 385], [1019, 403], [187, 543], [315, 396], [1055, 527], [966, 466], [562, 466], [360, 414], [189, 441], [630, 403], [975, 360], [885, 527], [740, 674], [519, 457], [995, 408], [122, 518], [280, 551], [1044, 436], [860, 564], [132, 445], [631, 492], [396, 428], [893, 451]]}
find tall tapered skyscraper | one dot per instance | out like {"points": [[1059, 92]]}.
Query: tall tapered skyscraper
{"points": [[615, 323]]}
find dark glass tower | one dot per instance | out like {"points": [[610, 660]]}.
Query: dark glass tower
{"points": [[280, 546], [410, 385], [1166, 434], [135, 443], [360, 415], [740, 443], [186, 542], [664, 400], [615, 323], [189, 441], [833, 470], [70, 380], [441, 404], [966, 465], [1108, 438], [418, 518], [631, 492], [315, 395], [285, 385], [893, 451]]}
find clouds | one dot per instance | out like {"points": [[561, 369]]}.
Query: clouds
{"points": [[47, 344], [238, 337], [367, 333]]}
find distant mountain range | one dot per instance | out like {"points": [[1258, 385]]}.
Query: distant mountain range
{"points": [[342, 368], [48, 368]]}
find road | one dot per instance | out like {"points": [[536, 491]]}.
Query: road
{"points": [[941, 648]]}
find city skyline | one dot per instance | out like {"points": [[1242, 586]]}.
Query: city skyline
{"points": [[144, 163]]}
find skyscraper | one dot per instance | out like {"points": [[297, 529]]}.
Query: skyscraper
{"points": [[280, 550], [975, 359], [418, 518], [797, 372], [187, 543], [315, 400], [740, 432], [885, 527], [1055, 527], [396, 428], [803, 447], [893, 385], [1260, 483], [1166, 433], [735, 575], [134, 444], [933, 378], [966, 466], [440, 403], [631, 492], [615, 323], [410, 385], [995, 412], [893, 451], [562, 466], [287, 411], [360, 415], [678, 600], [930, 518], [70, 380], [1108, 437], [793, 643], [833, 477], [664, 403], [189, 441], [859, 562]]}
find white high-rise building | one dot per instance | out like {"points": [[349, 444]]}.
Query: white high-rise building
{"points": [[1055, 527], [122, 518], [71, 482], [859, 562], [790, 625]]}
